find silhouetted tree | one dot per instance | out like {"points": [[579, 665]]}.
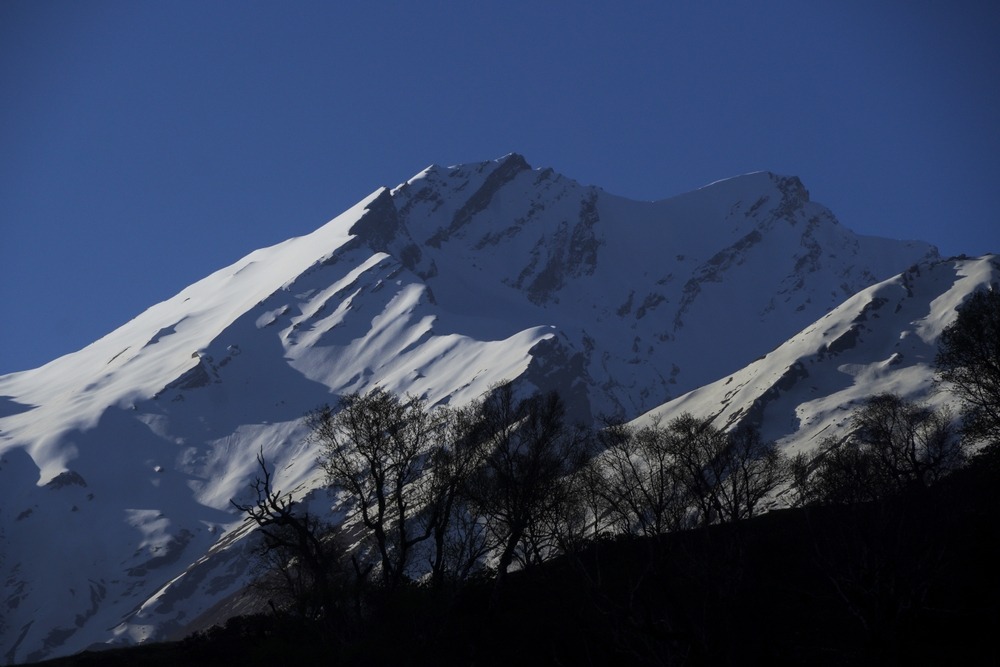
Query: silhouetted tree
{"points": [[894, 444], [751, 469], [725, 476], [969, 359], [845, 473], [911, 443], [374, 448], [637, 489], [530, 449], [302, 561], [460, 534], [696, 448], [881, 549]]}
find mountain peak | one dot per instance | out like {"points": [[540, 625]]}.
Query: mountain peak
{"points": [[456, 280], [791, 186], [515, 158]]}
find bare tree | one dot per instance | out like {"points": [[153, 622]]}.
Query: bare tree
{"points": [[883, 548], [634, 480], [302, 561], [725, 476], [374, 448], [518, 488], [844, 474], [696, 449], [750, 470], [969, 359], [459, 533], [911, 443], [894, 444]]}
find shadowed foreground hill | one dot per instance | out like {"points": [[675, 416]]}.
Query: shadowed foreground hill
{"points": [[909, 580]]}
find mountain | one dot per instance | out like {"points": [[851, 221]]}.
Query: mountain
{"points": [[117, 462]]}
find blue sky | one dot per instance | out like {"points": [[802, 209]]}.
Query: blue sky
{"points": [[146, 144]]}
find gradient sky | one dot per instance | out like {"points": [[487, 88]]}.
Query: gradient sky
{"points": [[143, 145]]}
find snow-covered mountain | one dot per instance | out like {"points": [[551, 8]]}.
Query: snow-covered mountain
{"points": [[117, 462]]}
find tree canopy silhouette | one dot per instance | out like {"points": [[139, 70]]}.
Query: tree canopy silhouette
{"points": [[969, 359]]}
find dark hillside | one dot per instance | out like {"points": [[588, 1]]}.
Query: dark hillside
{"points": [[909, 580]]}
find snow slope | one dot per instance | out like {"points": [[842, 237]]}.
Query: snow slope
{"points": [[883, 339], [117, 462]]}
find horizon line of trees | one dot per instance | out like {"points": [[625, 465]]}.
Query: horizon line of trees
{"points": [[458, 493]]}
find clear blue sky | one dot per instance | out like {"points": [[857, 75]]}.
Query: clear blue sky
{"points": [[146, 144]]}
